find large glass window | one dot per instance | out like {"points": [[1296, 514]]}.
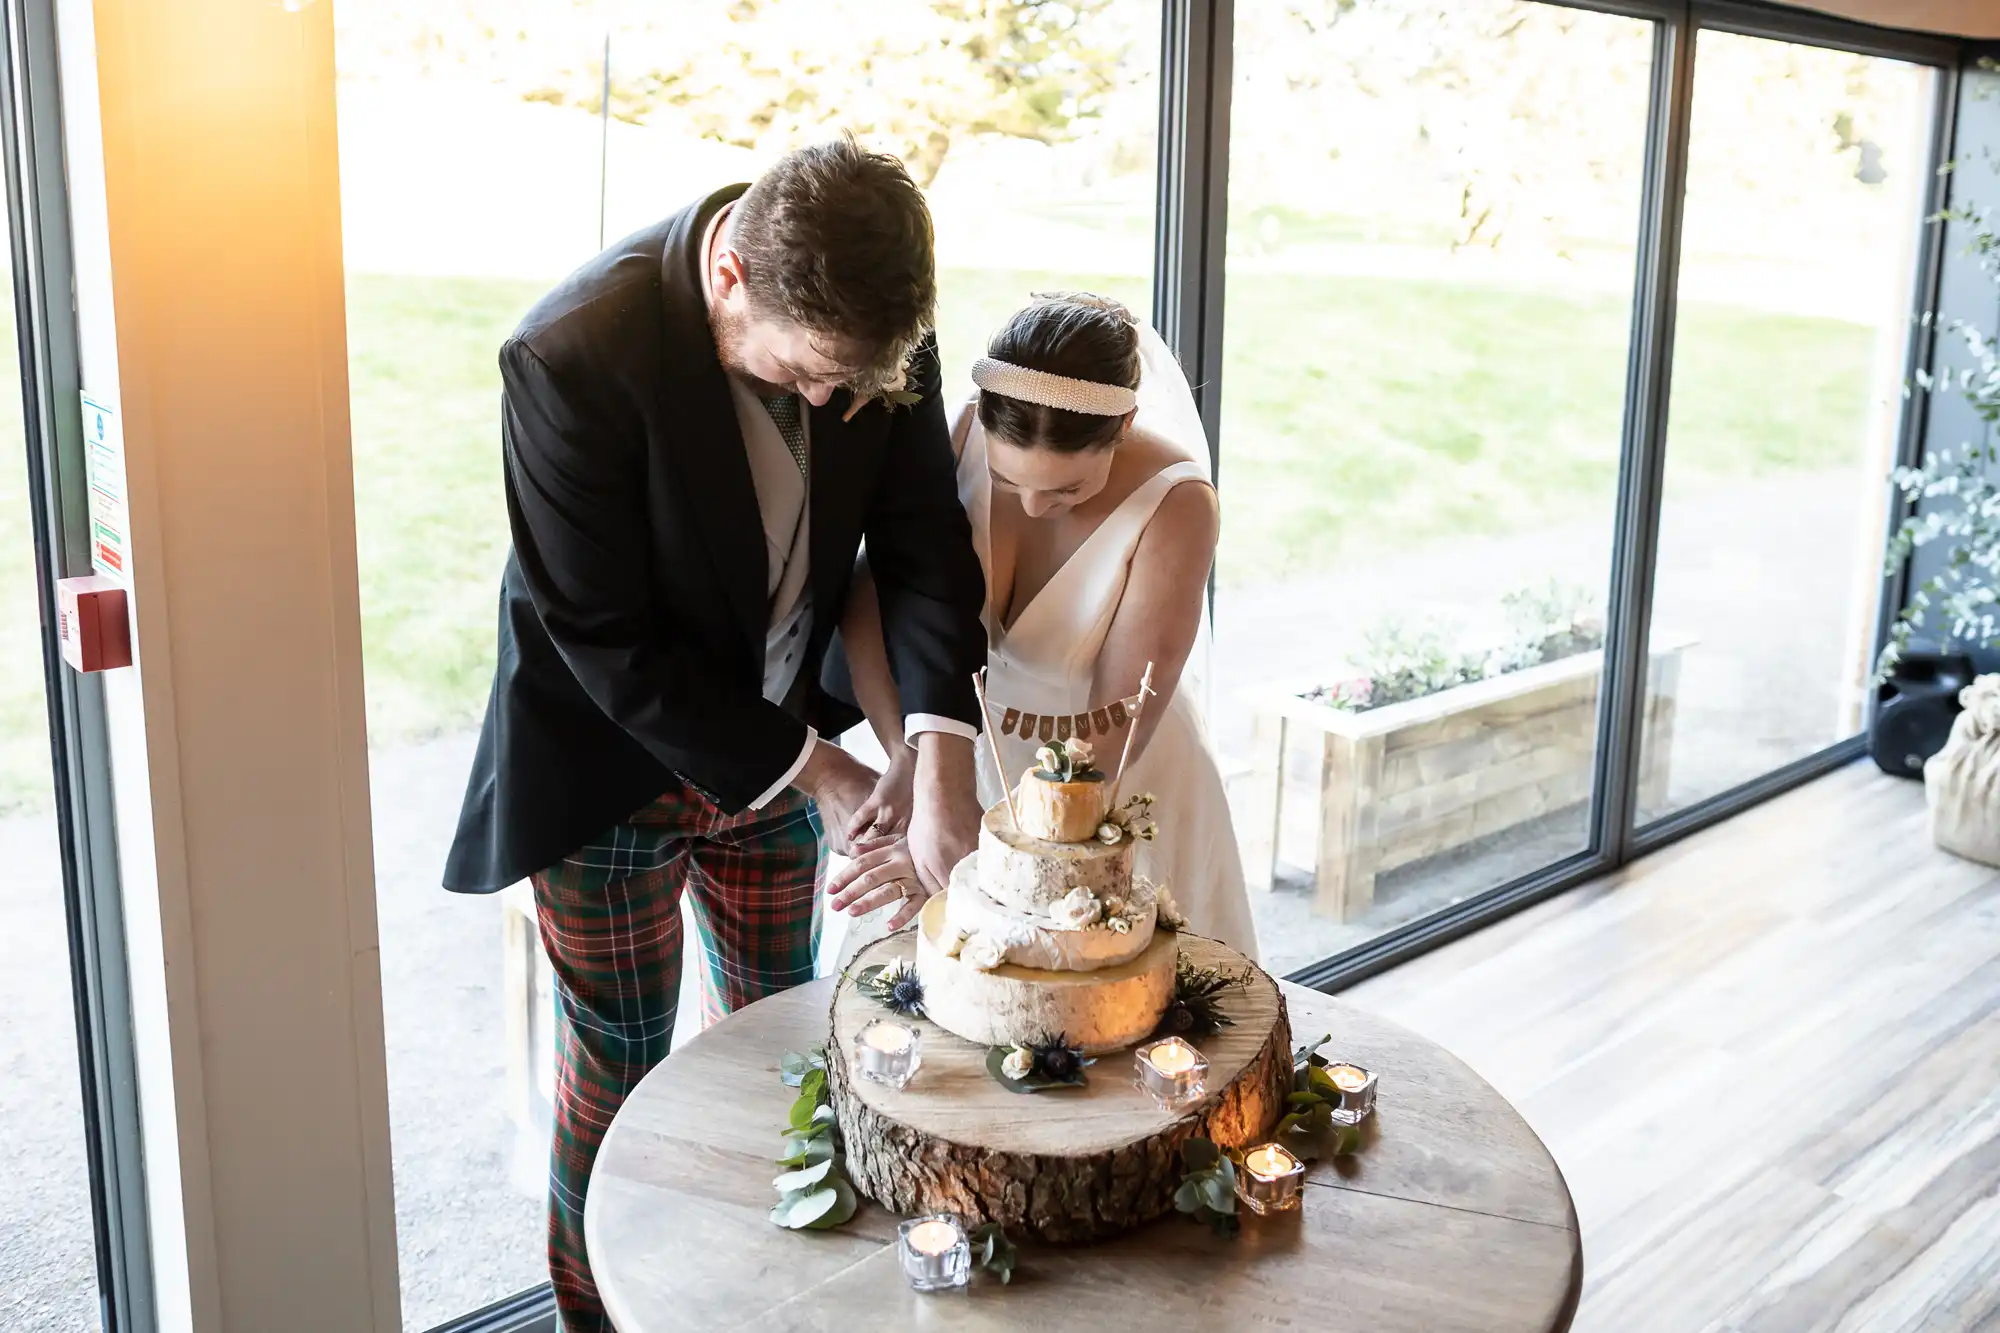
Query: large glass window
{"points": [[478, 166], [1432, 226], [1805, 193], [48, 1272]]}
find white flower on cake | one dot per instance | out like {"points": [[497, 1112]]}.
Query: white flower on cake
{"points": [[1110, 834], [984, 952], [1120, 925], [1018, 1064], [1081, 754], [953, 941], [1076, 909], [1045, 759], [893, 972], [1113, 906], [1169, 910]]}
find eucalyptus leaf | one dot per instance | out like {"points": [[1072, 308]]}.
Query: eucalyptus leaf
{"points": [[804, 1208], [1218, 1195], [844, 1203], [1323, 1084], [807, 1148], [813, 1083], [824, 1114], [1198, 1154], [1187, 1198], [993, 1252], [802, 1113], [1304, 1099], [803, 1178]]}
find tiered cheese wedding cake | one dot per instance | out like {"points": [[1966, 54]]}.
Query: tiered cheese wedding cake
{"points": [[1044, 932]]}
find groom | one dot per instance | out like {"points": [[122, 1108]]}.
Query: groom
{"points": [[689, 478]]}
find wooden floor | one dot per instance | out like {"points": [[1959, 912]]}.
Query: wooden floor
{"points": [[1768, 1061]]}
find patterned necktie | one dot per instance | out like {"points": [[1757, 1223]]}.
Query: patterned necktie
{"points": [[785, 414]]}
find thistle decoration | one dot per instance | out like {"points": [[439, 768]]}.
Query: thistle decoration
{"points": [[1196, 1007], [1067, 761], [894, 986], [1207, 1190], [1038, 1066]]}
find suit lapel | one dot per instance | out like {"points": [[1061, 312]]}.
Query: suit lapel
{"points": [[846, 455], [706, 445]]}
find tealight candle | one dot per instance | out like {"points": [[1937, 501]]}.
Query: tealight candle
{"points": [[1171, 1072], [1357, 1092], [1271, 1179], [887, 1052], [936, 1254]]}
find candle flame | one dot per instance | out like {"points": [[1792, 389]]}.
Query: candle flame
{"points": [[1270, 1161], [1173, 1056], [933, 1237]]}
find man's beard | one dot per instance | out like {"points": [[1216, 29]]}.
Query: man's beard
{"points": [[728, 328]]}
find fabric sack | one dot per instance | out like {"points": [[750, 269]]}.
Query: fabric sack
{"points": [[1962, 781]]}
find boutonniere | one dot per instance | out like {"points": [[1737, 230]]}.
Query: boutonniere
{"points": [[891, 393]]}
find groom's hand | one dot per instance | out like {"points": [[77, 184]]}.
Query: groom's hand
{"points": [[944, 819], [838, 784]]}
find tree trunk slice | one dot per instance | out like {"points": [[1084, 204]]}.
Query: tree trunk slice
{"points": [[1066, 1165]]}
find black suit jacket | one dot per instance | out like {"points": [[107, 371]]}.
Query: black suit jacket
{"points": [[633, 608]]}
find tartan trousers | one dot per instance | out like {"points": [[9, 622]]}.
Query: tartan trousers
{"points": [[611, 923]]}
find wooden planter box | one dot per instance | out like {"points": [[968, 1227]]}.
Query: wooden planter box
{"points": [[1411, 780]]}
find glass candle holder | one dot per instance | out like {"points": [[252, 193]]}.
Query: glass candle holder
{"points": [[1171, 1072], [888, 1052], [1357, 1092], [1270, 1180], [936, 1254]]}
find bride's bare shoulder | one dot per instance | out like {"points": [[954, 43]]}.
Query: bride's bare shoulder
{"points": [[1142, 453]]}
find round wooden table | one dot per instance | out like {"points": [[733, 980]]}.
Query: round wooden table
{"points": [[1452, 1217]]}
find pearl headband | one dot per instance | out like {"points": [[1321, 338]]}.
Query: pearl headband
{"points": [[1039, 386]]}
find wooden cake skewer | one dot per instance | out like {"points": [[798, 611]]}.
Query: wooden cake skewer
{"points": [[993, 744], [1131, 730]]}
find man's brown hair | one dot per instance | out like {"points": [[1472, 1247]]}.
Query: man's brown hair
{"points": [[838, 240]]}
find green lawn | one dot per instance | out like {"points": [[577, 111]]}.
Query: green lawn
{"points": [[1357, 412]]}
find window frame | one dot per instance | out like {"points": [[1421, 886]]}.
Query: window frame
{"points": [[1189, 294], [79, 744]]}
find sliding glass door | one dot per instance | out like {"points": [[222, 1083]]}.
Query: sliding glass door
{"points": [[1808, 172], [1433, 218]]}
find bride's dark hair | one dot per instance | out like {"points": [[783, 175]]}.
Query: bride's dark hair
{"points": [[1073, 334]]}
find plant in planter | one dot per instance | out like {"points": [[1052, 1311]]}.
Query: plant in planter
{"points": [[1400, 661], [1955, 498]]}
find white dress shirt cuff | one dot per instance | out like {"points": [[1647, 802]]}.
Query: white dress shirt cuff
{"points": [[917, 723], [771, 794]]}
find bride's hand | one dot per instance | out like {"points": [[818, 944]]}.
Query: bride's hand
{"points": [[885, 816], [875, 878]]}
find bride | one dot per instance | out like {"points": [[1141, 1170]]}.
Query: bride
{"points": [[1084, 469]]}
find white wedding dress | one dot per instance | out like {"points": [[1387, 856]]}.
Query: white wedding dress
{"points": [[1045, 661]]}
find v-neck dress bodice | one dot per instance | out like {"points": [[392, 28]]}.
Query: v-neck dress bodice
{"points": [[1045, 661]]}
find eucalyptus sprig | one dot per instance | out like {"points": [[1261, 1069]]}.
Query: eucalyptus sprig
{"points": [[814, 1192], [1313, 1098], [992, 1252], [1196, 1007], [1207, 1190]]}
